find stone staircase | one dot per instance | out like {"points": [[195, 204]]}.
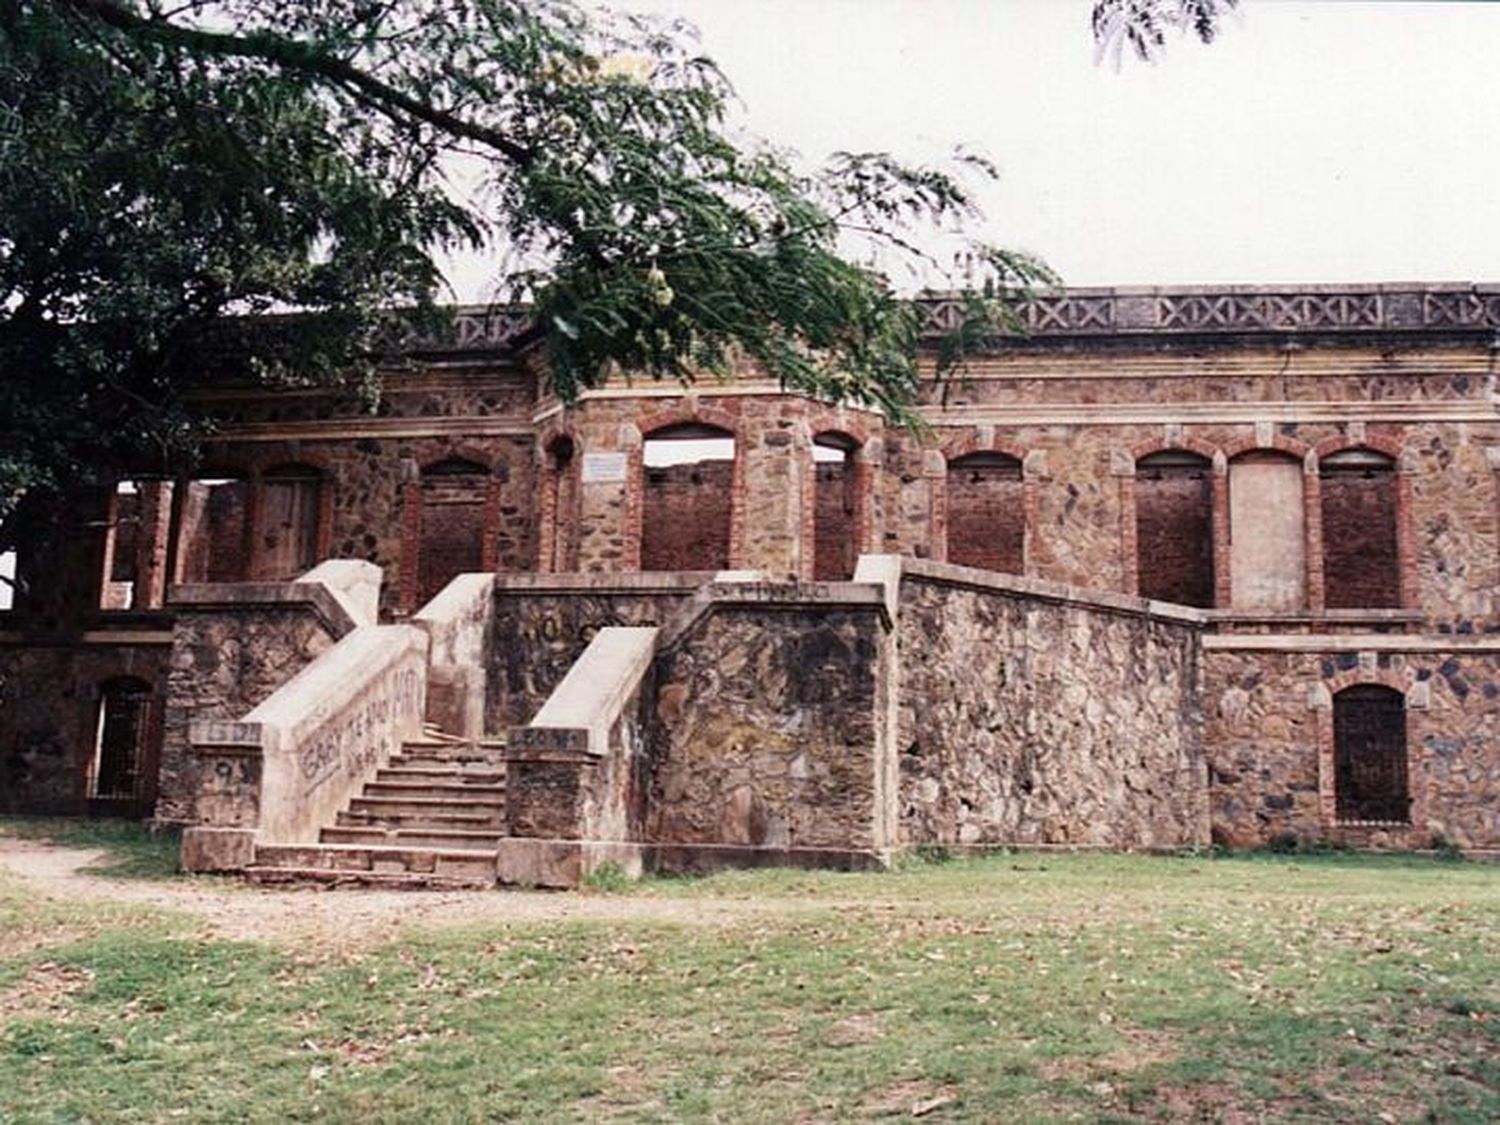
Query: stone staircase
{"points": [[432, 819]]}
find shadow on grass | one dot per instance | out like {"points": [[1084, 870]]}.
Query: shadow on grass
{"points": [[133, 851]]}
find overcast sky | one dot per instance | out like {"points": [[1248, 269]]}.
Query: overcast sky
{"points": [[1314, 142]]}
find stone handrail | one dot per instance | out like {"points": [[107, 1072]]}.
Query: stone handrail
{"points": [[457, 623], [573, 800], [284, 770]]}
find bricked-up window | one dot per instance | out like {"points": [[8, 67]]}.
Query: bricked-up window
{"points": [[1174, 528], [452, 529], [986, 512], [834, 500], [120, 739], [122, 532], [1369, 755], [1361, 568], [1267, 532], [212, 544], [286, 536], [688, 499]]}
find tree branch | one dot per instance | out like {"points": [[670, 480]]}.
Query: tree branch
{"points": [[301, 57]]}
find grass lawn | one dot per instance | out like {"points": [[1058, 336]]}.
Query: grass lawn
{"points": [[1009, 988]]}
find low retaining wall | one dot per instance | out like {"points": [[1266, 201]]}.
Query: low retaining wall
{"points": [[1035, 713]]}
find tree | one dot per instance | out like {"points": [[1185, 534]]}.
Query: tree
{"points": [[173, 171], [1142, 25]]}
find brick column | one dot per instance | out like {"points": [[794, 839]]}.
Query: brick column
{"points": [[489, 523], [1123, 467], [1223, 592], [1406, 539], [1312, 523]]}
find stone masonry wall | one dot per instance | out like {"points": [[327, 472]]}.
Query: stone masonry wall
{"points": [[1267, 718], [1028, 720], [766, 729], [49, 711], [537, 632], [223, 663]]}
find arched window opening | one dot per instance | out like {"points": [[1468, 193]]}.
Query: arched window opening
{"points": [[1267, 532], [212, 524], [1369, 756], [562, 481], [286, 539], [1174, 528], [986, 512], [835, 522], [688, 500], [1361, 565], [452, 523], [118, 771]]}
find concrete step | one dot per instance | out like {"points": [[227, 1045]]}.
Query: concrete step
{"points": [[434, 790], [447, 863], [445, 756], [467, 839], [478, 774], [441, 819], [384, 807], [329, 879]]}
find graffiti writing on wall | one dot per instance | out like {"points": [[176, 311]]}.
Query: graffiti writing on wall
{"points": [[352, 741]]}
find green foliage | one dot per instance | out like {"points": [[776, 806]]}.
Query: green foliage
{"points": [[1142, 25], [170, 174]]}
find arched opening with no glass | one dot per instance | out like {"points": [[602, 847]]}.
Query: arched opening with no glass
{"points": [[1370, 778], [687, 503], [1174, 528], [835, 507], [1361, 560], [986, 512], [561, 508], [451, 537]]}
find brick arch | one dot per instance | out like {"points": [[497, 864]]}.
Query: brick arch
{"points": [[1195, 446], [1402, 681], [962, 445], [461, 451], [823, 420], [691, 413], [1280, 443], [1376, 443]]}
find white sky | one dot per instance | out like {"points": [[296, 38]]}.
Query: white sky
{"points": [[1313, 142]]}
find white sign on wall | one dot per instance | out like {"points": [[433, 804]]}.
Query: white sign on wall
{"points": [[604, 468]]}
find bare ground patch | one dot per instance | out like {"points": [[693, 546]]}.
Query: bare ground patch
{"points": [[229, 909]]}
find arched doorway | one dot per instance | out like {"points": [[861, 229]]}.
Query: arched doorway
{"points": [[121, 778], [1370, 779]]}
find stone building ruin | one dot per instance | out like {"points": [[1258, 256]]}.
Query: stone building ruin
{"points": [[1180, 566]]}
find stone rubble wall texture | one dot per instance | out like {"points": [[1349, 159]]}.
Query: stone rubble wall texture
{"points": [[1029, 722], [1262, 733], [537, 634], [49, 711], [223, 663], [765, 730]]}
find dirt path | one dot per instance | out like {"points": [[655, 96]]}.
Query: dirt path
{"points": [[349, 918]]}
